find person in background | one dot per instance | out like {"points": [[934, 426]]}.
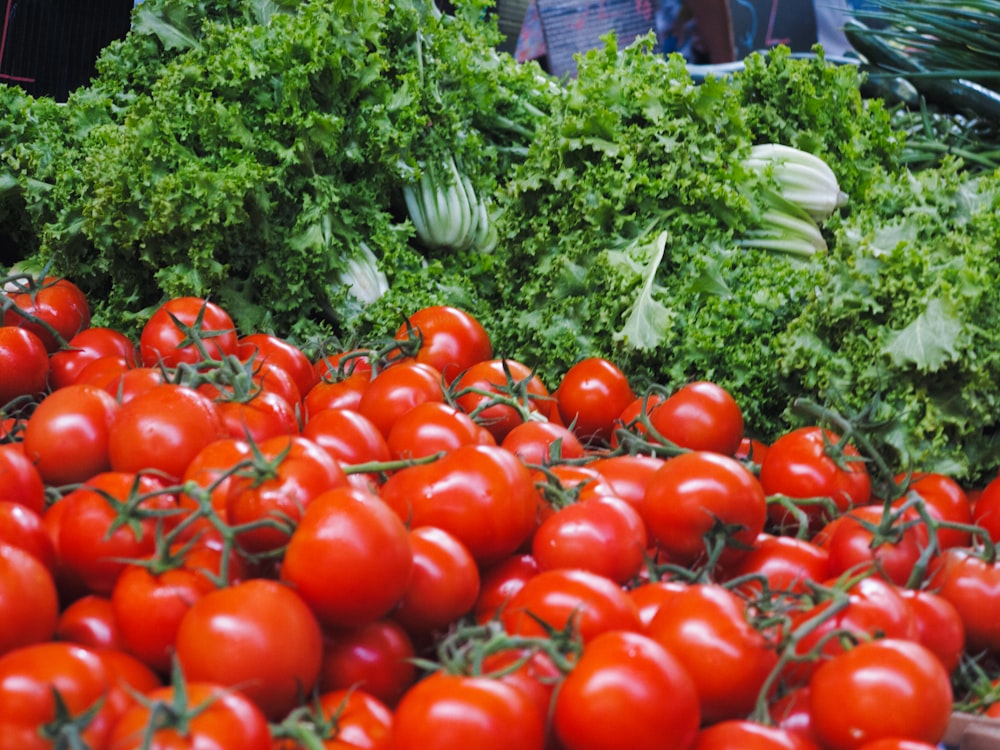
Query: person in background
{"points": [[700, 30]]}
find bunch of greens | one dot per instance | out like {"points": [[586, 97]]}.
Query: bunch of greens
{"points": [[255, 152]]}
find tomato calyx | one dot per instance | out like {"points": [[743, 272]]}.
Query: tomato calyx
{"points": [[638, 434], [514, 393], [66, 730], [309, 726]]}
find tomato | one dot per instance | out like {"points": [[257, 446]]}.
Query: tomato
{"points": [[24, 362], [628, 474], [110, 519], [22, 527], [482, 494], [626, 692], [750, 735], [349, 719], [129, 674], [706, 627], [205, 715], [263, 415], [866, 539], [19, 478], [105, 373], [29, 602], [126, 385], [433, 427], [396, 390], [752, 450], [809, 465], [792, 712], [53, 309], [288, 473], [90, 621], [257, 636], [591, 396], [349, 529], [86, 346], [448, 339], [986, 513], [939, 625], [894, 743], [443, 584], [271, 378], [577, 601], [376, 657], [338, 394], [347, 435], [700, 416], [207, 480], [543, 443], [972, 585], [457, 712], [276, 351], [651, 596], [945, 501], [187, 330], [29, 677], [786, 564], [702, 498], [602, 534], [500, 581], [500, 394], [163, 429], [881, 688]]}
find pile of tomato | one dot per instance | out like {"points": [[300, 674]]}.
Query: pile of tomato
{"points": [[209, 538]]}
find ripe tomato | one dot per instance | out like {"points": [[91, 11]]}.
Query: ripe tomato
{"points": [[22, 527], [443, 584], [500, 394], [288, 473], [396, 390], [700, 416], [939, 625], [278, 352], [263, 415], [126, 385], [90, 621], [29, 603], [433, 427], [785, 563], [626, 691], [105, 373], [577, 601], [706, 627], [866, 539], [68, 436], [210, 715], [53, 309], [456, 712], [810, 464], [652, 595], [21, 482], [86, 346], [207, 480], [448, 339], [533, 672], [163, 429], [881, 688], [349, 529], [602, 534], [343, 720], [347, 435], [482, 494], [750, 735], [376, 657], [187, 330], [336, 394], [972, 585], [500, 581], [986, 512], [24, 362], [591, 396], [543, 443], [702, 498], [945, 501], [256, 636], [628, 474]]}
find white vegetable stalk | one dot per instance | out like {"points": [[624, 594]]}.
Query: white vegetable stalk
{"points": [[363, 278], [446, 212]]}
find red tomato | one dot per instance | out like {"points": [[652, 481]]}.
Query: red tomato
{"points": [[792, 712], [700, 416], [22, 527], [86, 346], [163, 429], [482, 494], [752, 450], [808, 465], [651, 596], [602, 534], [273, 379], [456, 712], [945, 501], [500, 394], [340, 365], [53, 309], [105, 373], [628, 474], [433, 427], [882, 688], [986, 512], [263, 415], [90, 621], [695, 499], [866, 539], [577, 601], [288, 473], [347, 435], [785, 563], [499, 582], [68, 436], [256, 636], [21, 482], [376, 657], [346, 719], [266, 347], [351, 530], [894, 743], [591, 396], [543, 443], [396, 390], [337, 394], [126, 385], [533, 672], [30, 675], [750, 735], [939, 625], [207, 480], [187, 330], [448, 339], [707, 628], [24, 362], [29, 603], [443, 584], [626, 691], [129, 674], [210, 715], [972, 585]]}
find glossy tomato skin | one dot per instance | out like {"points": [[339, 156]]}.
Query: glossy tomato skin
{"points": [[257, 636], [347, 435], [700, 416], [376, 657], [626, 691], [448, 339], [628, 474], [786, 563], [945, 500], [351, 718], [473, 393], [750, 735], [591, 396], [692, 495], [349, 529], [939, 625], [434, 427], [264, 415], [166, 337], [854, 546], [225, 720], [85, 347], [455, 712], [57, 302], [396, 390], [543, 443], [68, 435], [276, 351], [24, 362], [90, 621], [986, 511], [878, 689], [207, 480], [21, 482], [29, 602], [972, 585], [500, 581]]}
